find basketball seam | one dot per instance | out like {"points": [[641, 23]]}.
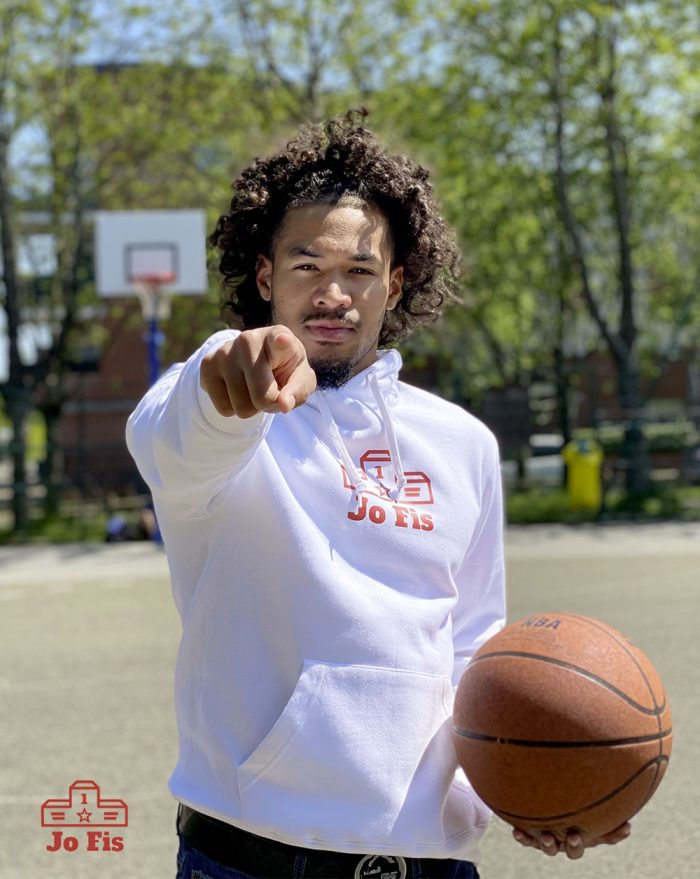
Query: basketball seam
{"points": [[519, 654], [548, 818], [631, 655], [625, 647], [534, 743]]}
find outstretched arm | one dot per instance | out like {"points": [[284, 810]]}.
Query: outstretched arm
{"points": [[202, 422]]}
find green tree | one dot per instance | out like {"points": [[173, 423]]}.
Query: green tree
{"points": [[555, 123], [123, 134], [311, 58], [15, 108]]}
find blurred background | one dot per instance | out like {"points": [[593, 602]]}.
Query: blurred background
{"points": [[564, 143]]}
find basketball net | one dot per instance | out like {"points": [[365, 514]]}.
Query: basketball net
{"points": [[155, 301]]}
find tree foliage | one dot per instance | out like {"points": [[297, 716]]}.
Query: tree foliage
{"points": [[563, 138]]}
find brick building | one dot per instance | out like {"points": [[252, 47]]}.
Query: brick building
{"points": [[102, 393]]}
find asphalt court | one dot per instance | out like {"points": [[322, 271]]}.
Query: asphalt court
{"points": [[88, 638]]}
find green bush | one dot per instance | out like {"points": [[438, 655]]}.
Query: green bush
{"points": [[542, 505], [546, 506], [60, 529]]}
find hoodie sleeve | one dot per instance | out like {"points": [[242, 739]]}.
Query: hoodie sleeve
{"points": [[481, 608], [187, 452]]}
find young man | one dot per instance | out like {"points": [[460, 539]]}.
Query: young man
{"points": [[333, 535]]}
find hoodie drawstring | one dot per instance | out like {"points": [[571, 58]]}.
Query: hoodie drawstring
{"points": [[391, 434], [353, 473], [359, 479]]}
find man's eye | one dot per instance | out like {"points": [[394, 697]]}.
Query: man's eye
{"points": [[305, 267], [360, 271]]}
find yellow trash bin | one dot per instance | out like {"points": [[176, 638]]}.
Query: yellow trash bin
{"points": [[584, 463]]}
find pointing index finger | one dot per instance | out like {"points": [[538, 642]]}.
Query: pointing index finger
{"points": [[281, 348], [295, 378]]}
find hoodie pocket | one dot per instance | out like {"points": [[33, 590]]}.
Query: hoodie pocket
{"points": [[338, 763]]}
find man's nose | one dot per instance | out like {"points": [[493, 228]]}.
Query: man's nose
{"points": [[331, 295]]}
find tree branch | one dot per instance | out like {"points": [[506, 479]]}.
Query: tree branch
{"points": [[561, 185], [619, 179], [254, 33], [498, 354]]}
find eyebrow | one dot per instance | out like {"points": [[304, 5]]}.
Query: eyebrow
{"points": [[303, 250]]}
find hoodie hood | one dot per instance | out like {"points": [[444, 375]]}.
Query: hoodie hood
{"points": [[354, 406]]}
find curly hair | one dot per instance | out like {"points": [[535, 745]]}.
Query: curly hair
{"points": [[327, 163]]}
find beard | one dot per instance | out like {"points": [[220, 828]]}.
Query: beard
{"points": [[331, 374]]}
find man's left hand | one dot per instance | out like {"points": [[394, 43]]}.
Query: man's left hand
{"points": [[574, 845]]}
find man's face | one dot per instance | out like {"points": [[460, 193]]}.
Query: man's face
{"points": [[330, 281]]}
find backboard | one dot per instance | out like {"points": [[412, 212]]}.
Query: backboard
{"points": [[132, 244]]}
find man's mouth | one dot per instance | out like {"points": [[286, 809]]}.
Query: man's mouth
{"points": [[329, 329]]}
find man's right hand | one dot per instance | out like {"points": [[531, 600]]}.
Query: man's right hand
{"points": [[261, 370]]}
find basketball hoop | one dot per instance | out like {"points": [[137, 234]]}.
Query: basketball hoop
{"points": [[157, 255], [155, 301]]}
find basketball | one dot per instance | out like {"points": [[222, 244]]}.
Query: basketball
{"points": [[560, 724]]}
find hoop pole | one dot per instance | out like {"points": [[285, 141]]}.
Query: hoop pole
{"points": [[154, 339]]}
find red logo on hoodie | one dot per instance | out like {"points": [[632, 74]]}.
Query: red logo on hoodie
{"points": [[377, 471]]}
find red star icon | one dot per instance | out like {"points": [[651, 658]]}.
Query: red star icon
{"points": [[84, 816]]}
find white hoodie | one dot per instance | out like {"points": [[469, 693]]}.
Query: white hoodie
{"points": [[334, 569]]}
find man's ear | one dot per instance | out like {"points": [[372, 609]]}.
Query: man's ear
{"points": [[395, 288], [263, 276]]}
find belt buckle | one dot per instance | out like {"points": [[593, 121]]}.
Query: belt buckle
{"points": [[381, 867]]}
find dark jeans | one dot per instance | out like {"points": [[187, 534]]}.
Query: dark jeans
{"points": [[191, 864]]}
